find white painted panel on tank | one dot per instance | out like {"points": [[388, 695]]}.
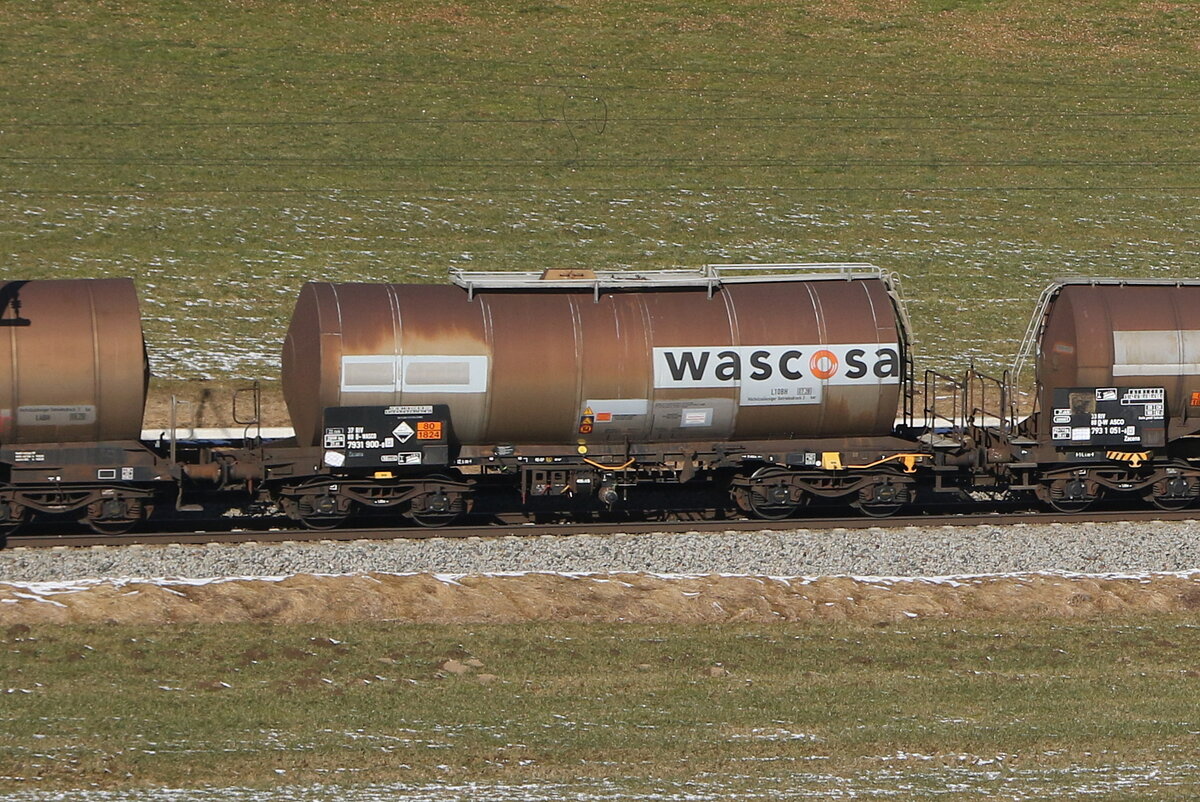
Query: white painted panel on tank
{"points": [[369, 373], [1156, 353], [427, 373], [443, 374]]}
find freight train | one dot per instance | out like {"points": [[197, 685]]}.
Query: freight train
{"points": [[771, 391]]}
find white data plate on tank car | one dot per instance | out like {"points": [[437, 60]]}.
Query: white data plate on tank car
{"points": [[78, 415], [1109, 416]]}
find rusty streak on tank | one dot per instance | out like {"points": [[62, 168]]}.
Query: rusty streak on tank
{"points": [[555, 363], [1116, 333], [74, 368]]}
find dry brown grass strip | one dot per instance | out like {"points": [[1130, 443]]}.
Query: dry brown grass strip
{"points": [[641, 598]]}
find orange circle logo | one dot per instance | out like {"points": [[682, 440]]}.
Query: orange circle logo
{"points": [[823, 364]]}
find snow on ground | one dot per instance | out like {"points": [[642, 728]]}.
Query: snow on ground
{"points": [[44, 590]]}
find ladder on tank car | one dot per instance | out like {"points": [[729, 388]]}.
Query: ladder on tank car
{"points": [[974, 409]]}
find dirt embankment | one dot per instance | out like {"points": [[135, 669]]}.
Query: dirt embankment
{"points": [[427, 598]]}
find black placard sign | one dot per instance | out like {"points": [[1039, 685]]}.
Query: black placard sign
{"points": [[1125, 417], [382, 437]]}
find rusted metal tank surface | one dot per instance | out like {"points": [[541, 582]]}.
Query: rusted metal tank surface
{"points": [[758, 360], [74, 364], [1123, 334]]}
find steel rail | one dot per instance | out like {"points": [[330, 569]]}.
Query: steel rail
{"points": [[85, 540]]}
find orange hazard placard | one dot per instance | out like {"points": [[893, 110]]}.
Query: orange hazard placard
{"points": [[429, 430]]}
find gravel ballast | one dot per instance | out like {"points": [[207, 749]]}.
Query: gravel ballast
{"points": [[909, 551]]}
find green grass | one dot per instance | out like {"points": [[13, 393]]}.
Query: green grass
{"points": [[911, 706], [223, 155]]}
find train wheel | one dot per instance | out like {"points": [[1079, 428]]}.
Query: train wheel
{"points": [[1171, 504], [322, 523], [1175, 493], [769, 496], [111, 528], [113, 516], [1070, 505], [882, 499], [317, 506], [1069, 495], [437, 508], [771, 503], [320, 512]]}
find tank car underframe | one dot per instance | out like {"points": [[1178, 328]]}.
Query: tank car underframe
{"points": [[768, 479]]}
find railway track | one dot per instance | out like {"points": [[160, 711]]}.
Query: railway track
{"points": [[43, 540]]}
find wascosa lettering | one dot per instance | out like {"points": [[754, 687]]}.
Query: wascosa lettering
{"points": [[793, 373]]}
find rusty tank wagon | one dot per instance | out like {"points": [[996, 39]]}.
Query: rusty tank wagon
{"points": [[1117, 372], [589, 384], [72, 394]]}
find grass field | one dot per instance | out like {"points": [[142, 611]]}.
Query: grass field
{"points": [[1106, 709], [224, 154]]}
